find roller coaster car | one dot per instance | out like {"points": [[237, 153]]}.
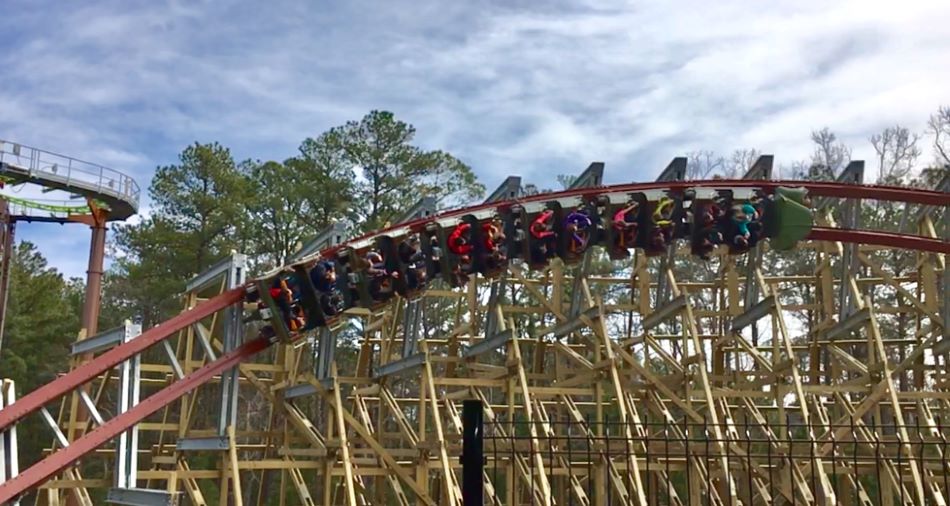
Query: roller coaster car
{"points": [[309, 298], [787, 217], [599, 206], [742, 229], [494, 240], [557, 225], [579, 230], [380, 282], [516, 222], [276, 311], [414, 262], [388, 248], [542, 237], [345, 278], [451, 268], [432, 250], [622, 237], [476, 240], [358, 279], [660, 224], [708, 222]]}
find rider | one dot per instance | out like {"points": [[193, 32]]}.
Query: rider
{"points": [[459, 240], [436, 256], [380, 283], [742, 216], [410, 254], [283, 297], [625, 222], [493, 235], [663, 220], [541, 230], [575, 224], [323, 276]]}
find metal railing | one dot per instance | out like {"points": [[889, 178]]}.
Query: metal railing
{"points": [[70, 172], [571, 463]]}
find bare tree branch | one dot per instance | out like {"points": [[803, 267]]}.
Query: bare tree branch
{"points": [[897, 153], [702, 164], [830, 156]]}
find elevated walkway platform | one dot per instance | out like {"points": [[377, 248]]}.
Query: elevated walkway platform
{"points": [[24, 164]]}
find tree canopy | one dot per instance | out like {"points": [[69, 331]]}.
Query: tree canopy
{"points": [[362, 174]]}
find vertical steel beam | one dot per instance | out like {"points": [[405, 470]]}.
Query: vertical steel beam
{"points": [[325, 355], [851, 218], [233, 329], [413, 315], [8, 231], [126, 467], [9, 454], [760, 170], [498, 287]]}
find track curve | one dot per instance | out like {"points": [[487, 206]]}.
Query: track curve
{"points": [[906, 195]]}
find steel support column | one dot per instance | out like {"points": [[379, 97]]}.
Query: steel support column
{"points": [[851, 218], [129, 388], [233, 329], [97, 252], [8, 231], [9, 454]]}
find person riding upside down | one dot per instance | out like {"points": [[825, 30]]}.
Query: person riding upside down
{"points": [[323, 276], [494, 240], [742, 216], [542, 231], [711, 214], [625, 223], [460, 240], [577, 224], [411, 255], [380, 285], [663, 220], [283, 297], [710, 238]]}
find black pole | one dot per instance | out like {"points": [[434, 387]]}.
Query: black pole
{"points": [[473, 457]]}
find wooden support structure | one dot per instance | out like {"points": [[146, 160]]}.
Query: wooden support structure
{"points": [[592, 392]]}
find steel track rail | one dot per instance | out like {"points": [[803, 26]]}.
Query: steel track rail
{"points": [[888, 239], [44, 469]]}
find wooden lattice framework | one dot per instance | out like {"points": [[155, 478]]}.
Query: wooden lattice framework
{"points": [[368, 412]]}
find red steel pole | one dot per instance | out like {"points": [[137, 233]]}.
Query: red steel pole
{"points": [[97, 253]]}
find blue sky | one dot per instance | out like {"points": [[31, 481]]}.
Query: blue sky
{"points": [[515, 87]]}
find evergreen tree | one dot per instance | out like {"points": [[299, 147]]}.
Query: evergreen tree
{"points": [[395, 174], [42, 321], [200, 214], [277, 213]]}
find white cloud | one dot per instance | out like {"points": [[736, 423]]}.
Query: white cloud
{"points": [[509, 87]]}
